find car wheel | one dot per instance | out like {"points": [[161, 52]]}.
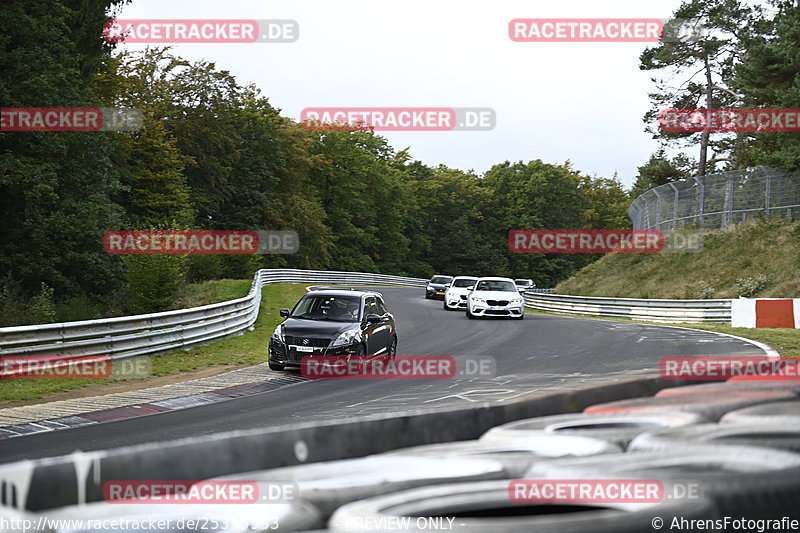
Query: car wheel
{"points": [[274, 366], [520, 317], [469, 314], [446, 307], [390, 355]]}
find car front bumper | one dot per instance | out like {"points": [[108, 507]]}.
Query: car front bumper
{"points": [[510, 310], [434, 293], [281, 354]]}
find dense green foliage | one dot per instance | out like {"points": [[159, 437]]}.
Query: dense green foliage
{"points": [[750, 53]]}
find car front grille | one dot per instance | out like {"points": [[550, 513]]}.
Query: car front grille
{"points": [[497, 302], [299, 341]]}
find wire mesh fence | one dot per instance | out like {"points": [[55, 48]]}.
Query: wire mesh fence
{"points": [[719, 201]]}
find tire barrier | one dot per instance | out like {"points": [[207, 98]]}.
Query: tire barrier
{"points": [[485, 507], [780, 437], [515, 454], [710, 406], [749, 481], [332, 484], [619, 429], [777, 413], [296, 515]]}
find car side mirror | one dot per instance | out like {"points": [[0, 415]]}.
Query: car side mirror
{"points": [[372, 318], [285, 312]]}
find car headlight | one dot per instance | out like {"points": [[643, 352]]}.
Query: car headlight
{"points": [[278, 334], [430, 288], [478, 300], [517, 301], [347, 337]]}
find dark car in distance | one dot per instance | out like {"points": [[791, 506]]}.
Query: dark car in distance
{"points": [[333, 322], [437, 286]]}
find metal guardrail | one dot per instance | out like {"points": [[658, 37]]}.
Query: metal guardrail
{"points": [[640, 309], [131, 336]]}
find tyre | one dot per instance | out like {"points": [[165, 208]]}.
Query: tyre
{"points": [[516, 455], [392, 351], [710, 405], [776, 436], [274, 366], [619, 429], [783, 413], [446, 307], [483, 507], [740, 480], [469, 314], [734, 386], [294, 515], [329, 485]]}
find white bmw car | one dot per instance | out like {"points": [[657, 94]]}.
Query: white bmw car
{"points": [[456, 295], [495, 297]]}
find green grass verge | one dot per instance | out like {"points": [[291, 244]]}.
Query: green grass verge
{"points": [[758, 259], [785, 341], [247, 349]]}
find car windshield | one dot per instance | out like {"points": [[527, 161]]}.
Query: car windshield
{"points": [[522, 282], [495, 285], [464, 283], [335, 308], [443, 280]]}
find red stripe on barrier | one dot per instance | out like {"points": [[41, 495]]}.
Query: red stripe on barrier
{"points": [[774, 314]]}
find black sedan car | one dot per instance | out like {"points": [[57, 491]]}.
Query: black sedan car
{"points": [[437, 286], [333, 322]]}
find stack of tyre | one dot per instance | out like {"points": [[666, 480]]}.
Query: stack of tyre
{"points": [[739, 441]]}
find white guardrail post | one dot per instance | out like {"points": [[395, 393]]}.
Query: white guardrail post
{"points": [[131, 336]]}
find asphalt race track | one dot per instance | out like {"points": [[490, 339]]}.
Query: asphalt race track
{"points": [[533, 356]]}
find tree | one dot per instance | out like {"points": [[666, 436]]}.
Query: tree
{"points": [[769, 78], [699, 72]]}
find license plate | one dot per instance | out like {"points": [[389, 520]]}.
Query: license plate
{"points": [[304, 348], [441, 293], [491, 308]]}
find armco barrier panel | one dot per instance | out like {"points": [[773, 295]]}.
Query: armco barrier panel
{"points": [[765, 313], [640, 309]]}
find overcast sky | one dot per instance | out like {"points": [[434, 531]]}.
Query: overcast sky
{"points": [[581, 102]]}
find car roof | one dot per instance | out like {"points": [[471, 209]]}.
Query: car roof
{"points": [[466, 277], [441, 276], [341, 292], [495, 279]]}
